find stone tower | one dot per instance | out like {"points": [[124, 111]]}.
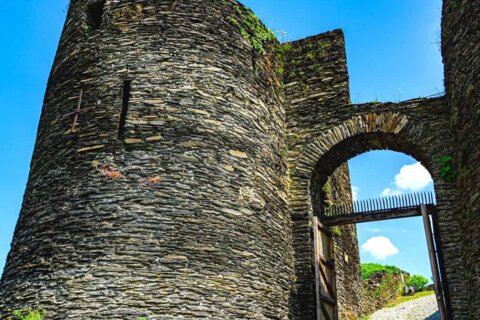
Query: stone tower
{"points": [[158, 182]]}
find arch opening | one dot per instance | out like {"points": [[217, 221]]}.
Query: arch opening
{"points": [[332, 164], [352, 147]]}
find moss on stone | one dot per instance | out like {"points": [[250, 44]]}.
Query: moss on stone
{"points": [[281, 52], [251, 28]]}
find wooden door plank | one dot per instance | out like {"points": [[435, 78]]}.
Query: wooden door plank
{"points": [[326, 304], [326, 313], [317, 268], [327, 282], [328, 299]]}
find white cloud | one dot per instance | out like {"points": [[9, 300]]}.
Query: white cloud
{"points": [[380, 247], [374, 230], [355, 191], [390, 192], [413, 177]]}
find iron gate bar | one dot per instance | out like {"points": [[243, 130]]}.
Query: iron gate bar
{"points": [[394, 207]]}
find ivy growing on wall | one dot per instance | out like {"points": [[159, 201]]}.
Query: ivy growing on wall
{"points": [[447, 171]]}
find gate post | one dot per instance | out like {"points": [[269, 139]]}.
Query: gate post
{"points": [[433, 262]]}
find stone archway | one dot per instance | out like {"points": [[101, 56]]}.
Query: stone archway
{"points": [[408, 128]]}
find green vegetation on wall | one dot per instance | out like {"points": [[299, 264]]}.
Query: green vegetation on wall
{"points": [[447, 171], [251, 28], [327, 195], [281, 51], [27, 314], [336, 231]]}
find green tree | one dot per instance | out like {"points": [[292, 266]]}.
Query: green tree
{"points": [[417, 281]]}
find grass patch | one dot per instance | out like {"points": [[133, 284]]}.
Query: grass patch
{"points": [[403, 299]]}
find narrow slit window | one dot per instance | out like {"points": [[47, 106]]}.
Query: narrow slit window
{"points": [[76, 114], [127, 84], [95, 14]]}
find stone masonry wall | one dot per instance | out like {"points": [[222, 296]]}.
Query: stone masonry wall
{"points": [[461, 56], [347, 257], [182, 212], [176, 154], [316, 82], [418, 128]]}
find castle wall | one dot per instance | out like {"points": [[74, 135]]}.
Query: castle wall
{"points": [[417, 127], [347, 257], [461, 52], [179, 213], [172, 173], [316, 85]]}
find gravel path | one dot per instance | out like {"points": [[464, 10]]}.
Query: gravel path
{"points": [[419, 309]]}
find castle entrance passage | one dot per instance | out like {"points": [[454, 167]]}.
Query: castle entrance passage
{"points": [[417, 128], [421, 204]]}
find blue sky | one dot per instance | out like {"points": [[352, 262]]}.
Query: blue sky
{"points": [[371, 175], [392, 50]]}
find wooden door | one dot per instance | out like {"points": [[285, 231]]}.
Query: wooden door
{"points": [[325, 290]]}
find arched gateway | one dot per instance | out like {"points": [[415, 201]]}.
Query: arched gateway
{"points": [[180, 150], [417, 127]]}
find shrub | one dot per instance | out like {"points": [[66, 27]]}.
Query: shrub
{"points": [[417, 281], [371, 268]]}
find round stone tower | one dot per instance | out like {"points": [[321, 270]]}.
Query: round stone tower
{"points": [[157, 186]]}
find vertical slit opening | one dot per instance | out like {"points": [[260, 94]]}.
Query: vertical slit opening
{"points": [[127, 84], [95, 10]]}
